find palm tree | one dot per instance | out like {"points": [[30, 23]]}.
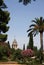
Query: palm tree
{"points": [[37, 27]]}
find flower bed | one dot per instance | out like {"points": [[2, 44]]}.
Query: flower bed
{"points": [[27, 53]]}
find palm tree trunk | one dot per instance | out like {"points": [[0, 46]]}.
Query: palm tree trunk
{"points": [[41, 42]]}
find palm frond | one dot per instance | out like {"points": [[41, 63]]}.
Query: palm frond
{"points": [[37, 26], [20, 0], [35, 33], [29, 33], [32, 25], [29, 30], [37, 21], [34, 21]]}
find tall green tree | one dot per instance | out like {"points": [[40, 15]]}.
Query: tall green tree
{"points": [[8, 44], [30, 44], [25, 2], [4, 19], [37, 27], [23, 46]]}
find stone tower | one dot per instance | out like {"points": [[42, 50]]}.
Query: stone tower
{"points": [[14, 44]]}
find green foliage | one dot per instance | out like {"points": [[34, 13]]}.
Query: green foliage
{"points": [[1, 53], [35, 50], [37, 27], [24, 47], [8, 44], [2, 4], [17, 55], [4, 19], [4, 59], [3, 37], [4, 52], [12, 51], [25, 2], [30, 44]]}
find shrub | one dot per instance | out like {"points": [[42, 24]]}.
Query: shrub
{"points": [[4, 59], [17, 55], [1, 53], [4, 52], [27, 53]]}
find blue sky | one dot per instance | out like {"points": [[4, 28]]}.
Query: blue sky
{"points": [[20, 19]]}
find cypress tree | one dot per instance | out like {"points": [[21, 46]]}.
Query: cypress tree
{"points": [[4, 19], [8, 44], [30, 44], [24, 47]]}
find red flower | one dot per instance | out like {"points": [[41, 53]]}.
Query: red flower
{"points": [[27, 53]]}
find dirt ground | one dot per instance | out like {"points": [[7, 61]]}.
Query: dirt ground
{"points": [[10, 64]]}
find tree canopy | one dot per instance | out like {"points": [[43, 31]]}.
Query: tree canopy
{"points": [[4, 19], [25, 2]]}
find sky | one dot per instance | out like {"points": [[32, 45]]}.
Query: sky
{"points": [[20, 20]]}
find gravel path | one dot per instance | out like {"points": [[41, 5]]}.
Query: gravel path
{"points": [[10, 63]]}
